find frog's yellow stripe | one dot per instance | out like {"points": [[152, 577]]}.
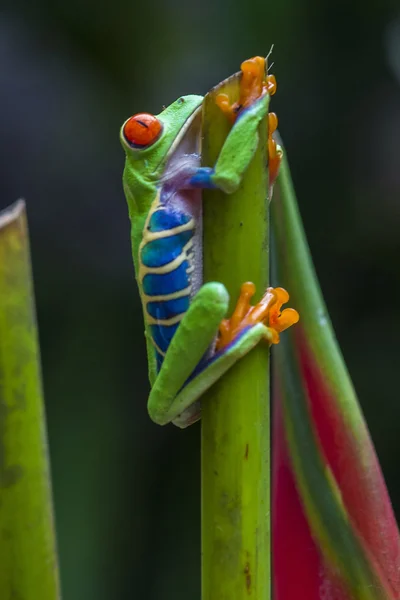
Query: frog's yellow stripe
{"points": [[156, 347], [153, 235], [172, 321], [172, 296], [150, 236], [171, 266]]}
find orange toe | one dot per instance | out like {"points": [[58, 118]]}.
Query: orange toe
{"points": [[266, 311]]}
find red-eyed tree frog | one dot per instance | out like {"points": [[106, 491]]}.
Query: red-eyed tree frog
{"points": [[163, 179]]}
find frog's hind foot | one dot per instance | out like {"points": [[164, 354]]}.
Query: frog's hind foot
{"points": [[267, 311]]}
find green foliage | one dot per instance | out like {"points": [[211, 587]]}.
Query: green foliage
{"points": [[28, 562]]}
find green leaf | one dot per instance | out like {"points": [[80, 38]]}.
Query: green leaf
{"points": [[28, 562], [332, 458]]}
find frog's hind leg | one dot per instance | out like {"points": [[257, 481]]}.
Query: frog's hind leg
{"points": [[214, 369], [184, 375], [247, 326], [196, 332]]}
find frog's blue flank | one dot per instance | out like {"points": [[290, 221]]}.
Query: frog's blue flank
{"points": [[165, 271]]}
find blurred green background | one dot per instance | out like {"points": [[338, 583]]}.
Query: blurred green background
{"points": [[127, 492]]}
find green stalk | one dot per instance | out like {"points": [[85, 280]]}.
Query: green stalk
{"points": [[28, 563], [235, 412]]}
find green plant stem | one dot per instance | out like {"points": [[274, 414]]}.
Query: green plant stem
{"points": [[28, 563], [235, 412]]}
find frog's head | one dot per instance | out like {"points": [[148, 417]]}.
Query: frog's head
{"points": [[150, 140]]}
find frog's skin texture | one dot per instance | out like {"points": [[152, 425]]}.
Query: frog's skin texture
{"points": [[163, 180]]}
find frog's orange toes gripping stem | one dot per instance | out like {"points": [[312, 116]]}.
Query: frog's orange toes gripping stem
{"points": [[252, 85], [266, 311], [278, 319], [274, 151], [271, 84], [230, 110]]}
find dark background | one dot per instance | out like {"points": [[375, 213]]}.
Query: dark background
{"points": [[127, 492]]}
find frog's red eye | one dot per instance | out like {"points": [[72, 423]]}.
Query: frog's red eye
{"points": [[142, 129]]}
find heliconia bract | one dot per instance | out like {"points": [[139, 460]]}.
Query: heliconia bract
{"points": [[335, 536]]}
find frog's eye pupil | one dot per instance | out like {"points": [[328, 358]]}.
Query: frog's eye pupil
{"points": [[142, 129]]}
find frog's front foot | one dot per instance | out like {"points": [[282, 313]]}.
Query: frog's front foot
{"points": [[275, 152], [254, 83], [267, 311]]}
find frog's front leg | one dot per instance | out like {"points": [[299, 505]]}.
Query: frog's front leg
{"points": [[242, 141], [239, 146], [237, 151], [252, 86], [187, 372]]}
